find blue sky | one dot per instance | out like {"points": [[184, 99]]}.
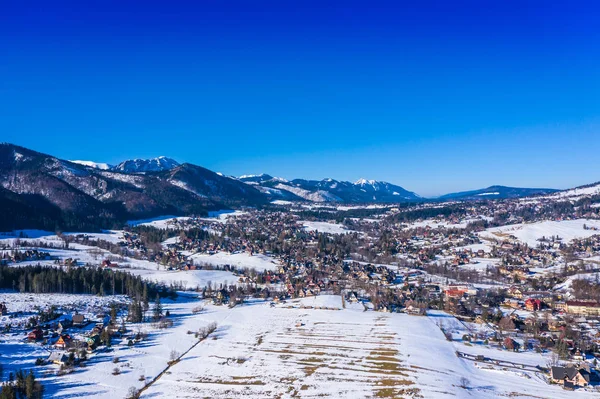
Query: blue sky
{"points": [[433, 96]]}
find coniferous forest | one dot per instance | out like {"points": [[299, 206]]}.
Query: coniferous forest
{"points": [[95, 281]]}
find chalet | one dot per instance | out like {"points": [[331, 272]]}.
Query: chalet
{"points": [[93, 340], [515, 292], [533, 305], [64, 341], [511, 344], [570, 377], [59, 358], [78, 319], [454, 293], [35, 335]]}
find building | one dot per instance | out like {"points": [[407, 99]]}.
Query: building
{"points": [[584, 308], [570, 376], [58, 358], [36, 334], [64, 341], [78, 319], [533, 305]]}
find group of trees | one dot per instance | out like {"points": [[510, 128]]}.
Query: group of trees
{"points": [[21, 386], [586, 289], [79, 280]]}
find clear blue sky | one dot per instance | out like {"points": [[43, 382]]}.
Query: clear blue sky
{"points": [[433, 96]]}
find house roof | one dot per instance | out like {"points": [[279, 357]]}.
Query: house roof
{"points": [[560, 373], [57, 356]]}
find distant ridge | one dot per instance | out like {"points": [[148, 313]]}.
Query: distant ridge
{"points": [[497, 192]]}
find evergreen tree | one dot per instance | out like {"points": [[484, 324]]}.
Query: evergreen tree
{"points": [[158, 310]]}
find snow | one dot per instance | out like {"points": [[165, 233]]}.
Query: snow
{"points": [[576, 193], [317, 196], [125, 178], [363, 182], [112, 236], [301, 348], [189, 279], [240, 260], [147, 165], [325, 227], [565, 286], [496, 193], [282, 202], [186, 187], [95, 165], [530, 233], [159, 222]]}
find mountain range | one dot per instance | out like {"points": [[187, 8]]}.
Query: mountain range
{"points": [[41, 191], [330, 190], [496, 192]]}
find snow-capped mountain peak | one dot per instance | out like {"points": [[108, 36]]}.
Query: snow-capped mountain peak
{"points": [[363, 182], [146, 165]]}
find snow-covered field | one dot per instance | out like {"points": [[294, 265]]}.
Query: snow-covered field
{"points": [[159, 222], [151, 271], [325, 227], [530, 233], [164, 222], [295, 349], [349, 353], [240, 260], [189, 279]]}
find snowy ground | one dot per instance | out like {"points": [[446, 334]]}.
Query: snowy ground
{"points": [[295, 349], [152, 271], [164, 222], [325, 227], [240, 260], [530, 233]]}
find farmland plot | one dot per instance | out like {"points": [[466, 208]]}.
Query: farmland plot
{"points": [[283, 352]]}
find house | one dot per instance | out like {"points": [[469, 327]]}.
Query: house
{"points": [[78, 319], [455, 293], [570, 376], [511, 344], [533, 305], [36, 334], [515, 292], [64, 341], [3, 309], [59, 358], [93, 340]]}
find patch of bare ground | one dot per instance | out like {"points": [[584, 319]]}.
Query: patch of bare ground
{"points": [[310, 369], [521, 395], [398, 393], [229, 382]]}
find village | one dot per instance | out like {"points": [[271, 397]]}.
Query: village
{"points": [[500, 282]]}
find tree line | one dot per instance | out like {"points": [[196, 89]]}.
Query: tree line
{"points": [[96, 281]]}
